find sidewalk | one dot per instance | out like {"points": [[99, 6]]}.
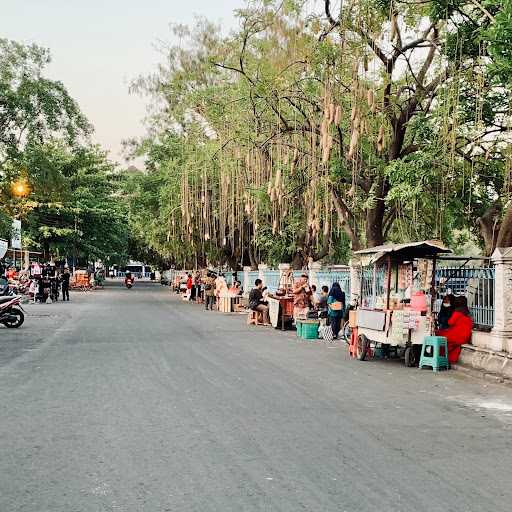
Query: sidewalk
{"points": [[485, 363]]}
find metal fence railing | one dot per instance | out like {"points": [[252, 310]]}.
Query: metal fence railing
{"points": [[477, 284], [271, 280], [328, 277], [251, 277], [372, 285]]}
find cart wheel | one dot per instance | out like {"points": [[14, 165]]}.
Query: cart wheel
{"points": [[347, 332], [363, 345], [410, 357]]}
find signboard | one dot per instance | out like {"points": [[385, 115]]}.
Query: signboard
{"points": [[16, 234], [371, 319], [3, 248]]}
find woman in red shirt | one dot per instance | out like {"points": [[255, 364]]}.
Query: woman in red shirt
{"points": [[189, 286], [459, 329]]}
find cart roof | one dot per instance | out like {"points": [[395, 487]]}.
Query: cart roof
{"points": [[406, 251]]}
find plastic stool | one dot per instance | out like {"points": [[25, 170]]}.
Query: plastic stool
{"points": [[434, 353], [254, 318]]}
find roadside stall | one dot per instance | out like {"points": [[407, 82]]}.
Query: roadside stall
{"points": [[81, 280], [395, 310], [280, 303]]}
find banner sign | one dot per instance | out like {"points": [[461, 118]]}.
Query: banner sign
{"points": [[3, 248], [16, 234]]}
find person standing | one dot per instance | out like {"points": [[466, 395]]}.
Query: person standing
{"points": [[190, 284], [209, 291], [301, 297], [336, 306], [65, 284], [321, 304]]}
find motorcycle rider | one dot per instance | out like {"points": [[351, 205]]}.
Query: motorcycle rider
{"points": [[129, 279]]}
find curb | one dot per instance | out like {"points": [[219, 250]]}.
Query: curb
{"points": [[482, 374]]}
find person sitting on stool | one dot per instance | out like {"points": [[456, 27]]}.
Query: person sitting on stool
{"points": [[257, 303]]}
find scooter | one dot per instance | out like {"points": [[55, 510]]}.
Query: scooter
{"points": [[11, 312], [129, 282]]}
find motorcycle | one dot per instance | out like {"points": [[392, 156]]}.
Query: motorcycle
{"points": [[11, 312], [129, 282]]}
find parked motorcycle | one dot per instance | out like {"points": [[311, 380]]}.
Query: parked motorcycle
{"points": [[11, 312]]}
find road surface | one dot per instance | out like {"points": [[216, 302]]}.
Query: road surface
{"points": [[131, 400]]}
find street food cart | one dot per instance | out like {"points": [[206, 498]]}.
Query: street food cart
{"points": [[395, 308], [281, 303]]}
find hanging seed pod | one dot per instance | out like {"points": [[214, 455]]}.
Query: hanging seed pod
{"points": [[353, 114], [269, 188], [324, 127], [332, 110], [353, 144], [337, 116], [327, 149], [294, 160], [327, 228], [273, 195], [394, 27], [352, 191], [364, 126], [278, 178], [207, 236], [274, 227], [365, 62], [357, 123], [370, 98], [380, 139]]}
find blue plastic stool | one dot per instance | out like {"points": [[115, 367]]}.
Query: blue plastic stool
{"points": [[434, 353]]}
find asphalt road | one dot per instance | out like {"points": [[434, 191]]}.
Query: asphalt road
{"points": [[130, 400]]}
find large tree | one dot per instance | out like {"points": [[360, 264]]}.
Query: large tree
{"points": [[305, 130]]}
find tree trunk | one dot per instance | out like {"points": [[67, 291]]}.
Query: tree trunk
{"points": [[252, 258], [298, 261], [505, 234], [490, 227], [375, 224]]}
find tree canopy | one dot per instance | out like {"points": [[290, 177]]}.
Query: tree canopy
{"points": [[306, 133], [69, 199]]}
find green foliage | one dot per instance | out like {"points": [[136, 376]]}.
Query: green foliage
{"points": [[71, 208], [32, 108], [500, 43], [82, 217]]}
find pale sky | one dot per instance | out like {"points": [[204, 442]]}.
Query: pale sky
{"points": [[98, 46]]}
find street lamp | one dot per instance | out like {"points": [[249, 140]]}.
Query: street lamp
{"points": [[20, 188]]}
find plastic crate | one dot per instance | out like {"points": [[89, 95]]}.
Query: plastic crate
{"points": [[309, 330]]}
